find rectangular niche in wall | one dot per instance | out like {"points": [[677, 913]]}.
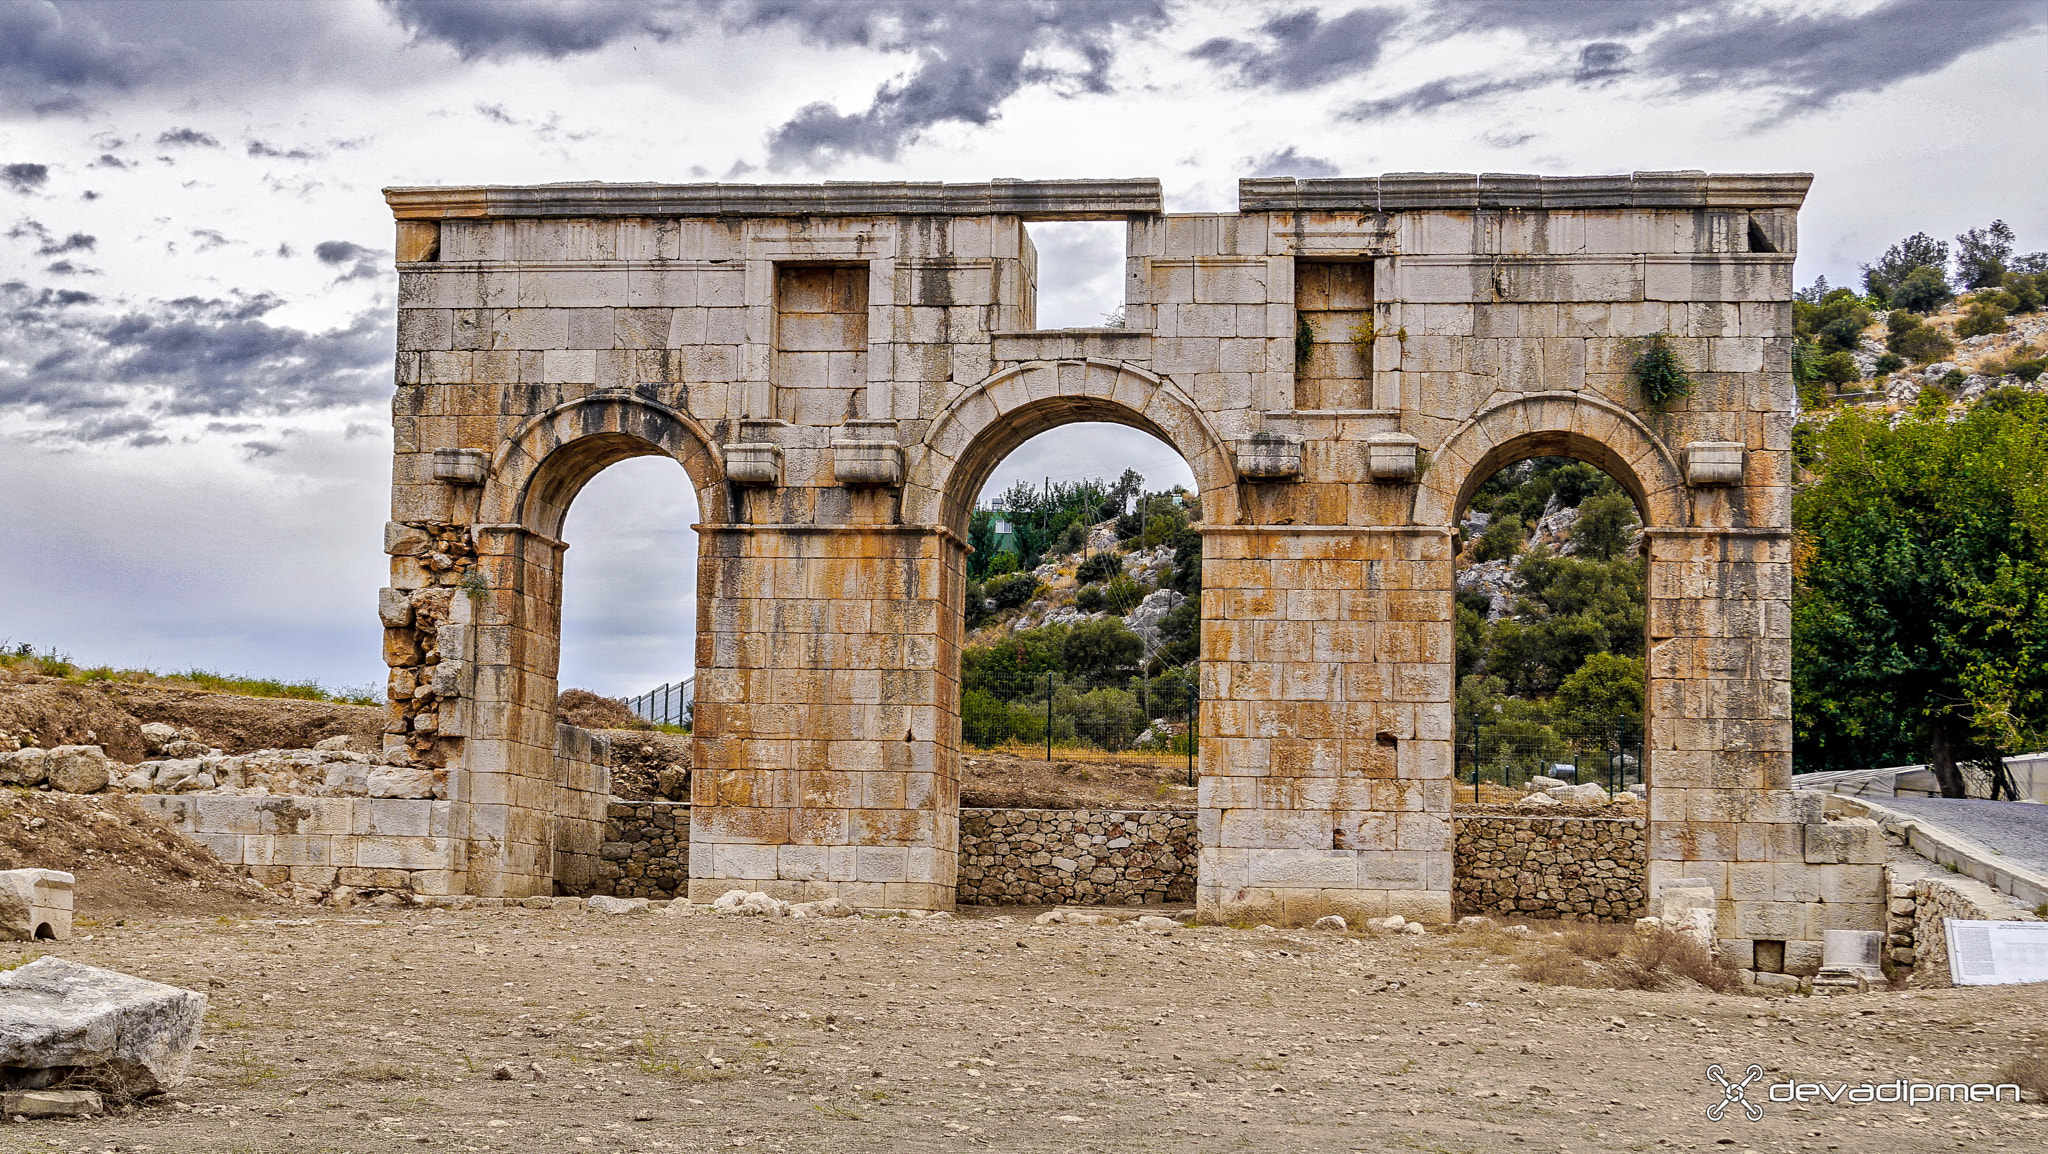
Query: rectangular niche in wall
{"points": [[821, 343], [1333, 302]]}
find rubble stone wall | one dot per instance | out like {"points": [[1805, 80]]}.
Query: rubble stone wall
{"points": [[646, 850], [1937, 899], [1587, 869], [1031, 857]]}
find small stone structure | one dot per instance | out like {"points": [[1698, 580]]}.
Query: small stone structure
{"points": [[1935, 899], [1031, 857], [36, 903], [646, 850], [1342, 362], [1591, 869]]}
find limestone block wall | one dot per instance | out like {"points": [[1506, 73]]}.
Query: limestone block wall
{"points": [[1076, 857], [1574, 868], [646, 850], [406, 845]]}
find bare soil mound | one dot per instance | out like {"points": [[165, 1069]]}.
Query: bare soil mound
{"points": [[587, 710], [648, 765], [1006, 781], [48, 712], [127, 860]]}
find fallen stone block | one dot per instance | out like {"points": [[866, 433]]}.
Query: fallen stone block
{"points": [[29, 766], [1537, 801], [1387, 925], [1155, 922], [122, 1035], [827, 908], [603, 904], [1326, 922], [1475, 922], [757, 905], [35, 904], [1539, 784], [51, 1104]]}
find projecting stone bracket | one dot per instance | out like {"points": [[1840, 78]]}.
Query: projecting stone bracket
{"points": [[868, 454], [1394, 457], [759, 463], [1269, 457], [1713, 463], [460, 466]]}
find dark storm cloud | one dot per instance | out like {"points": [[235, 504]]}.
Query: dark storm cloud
{"points": [[1704, 46], [1817, 58], [186, 138], [266, 150], [48, 56], [24, 178], [1305, 51], [971, 55], [355, 261], [1289, 162], [91, 374], [46, 243]]}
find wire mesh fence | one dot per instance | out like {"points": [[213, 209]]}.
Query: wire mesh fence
{"points": [[1506, 754], [1056, 716]]}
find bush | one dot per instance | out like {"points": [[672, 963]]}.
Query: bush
{"points": [[2026, 291], [1013, 590], [1090, 599], [1983, 317], [1100, 567], [1837, 369], [1658, 371], [2028, 370], [1844, 333], [1923, 291], [1605, 691], [1922, 344], [1890, 363]]}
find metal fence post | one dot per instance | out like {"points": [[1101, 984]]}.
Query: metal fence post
{"points": [[1048, 717]]}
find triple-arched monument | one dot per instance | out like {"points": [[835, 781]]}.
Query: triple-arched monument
{"points": [[839, 368]]}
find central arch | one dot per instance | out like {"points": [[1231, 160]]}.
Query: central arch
{"points": [[984, 424]]}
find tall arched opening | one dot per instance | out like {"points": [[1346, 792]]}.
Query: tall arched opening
{"points": [[535, 787]]}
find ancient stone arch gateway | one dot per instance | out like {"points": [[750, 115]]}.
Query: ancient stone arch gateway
{"points": [[839, 367]]}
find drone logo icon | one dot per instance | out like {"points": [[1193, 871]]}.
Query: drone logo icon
{"points": [[1731, 1093]]}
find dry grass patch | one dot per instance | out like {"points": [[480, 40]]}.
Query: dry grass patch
{"points": [[2029, 1071], [1596, 957]]}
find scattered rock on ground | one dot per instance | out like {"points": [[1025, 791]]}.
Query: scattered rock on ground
{"points": [[60, 1020]]}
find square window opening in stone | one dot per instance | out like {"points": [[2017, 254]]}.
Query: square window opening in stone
{"points": [[1334, 334], [820, 370], [1079, 274]]}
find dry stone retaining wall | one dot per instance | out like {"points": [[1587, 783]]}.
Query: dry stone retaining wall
{"points": [[1035, 857], [646, 850], [1576, 868]]}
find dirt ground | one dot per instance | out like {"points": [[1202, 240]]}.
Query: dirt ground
{"points": [[378, 1032], [1007, 781], [47, 711]]}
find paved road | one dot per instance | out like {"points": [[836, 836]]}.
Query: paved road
{"points": [[2018, 830]]}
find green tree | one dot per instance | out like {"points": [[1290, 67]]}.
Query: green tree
{"points": [[1101, 648], [1606, 526], [1981, 254], [1899, 261], [1920, 606], [1502, 539], [1837, 369], [1983, 317], [1605, 691], [1923, 291]]}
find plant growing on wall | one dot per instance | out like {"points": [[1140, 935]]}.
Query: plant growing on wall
{"points": [[1304, 340], [1362, 335], [1658, 370]]}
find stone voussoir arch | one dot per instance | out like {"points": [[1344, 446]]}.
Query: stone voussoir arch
{"points": [[987, 421], [538, 470], [1558, 424]]}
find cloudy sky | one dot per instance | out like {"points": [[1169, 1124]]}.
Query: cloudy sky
{"points": [[195, 295]]}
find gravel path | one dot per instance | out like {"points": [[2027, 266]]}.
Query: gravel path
{"points": [[2017, 830]]}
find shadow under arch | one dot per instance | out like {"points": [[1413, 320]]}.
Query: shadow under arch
{"points": [[989, 421], [1554, 424]]}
